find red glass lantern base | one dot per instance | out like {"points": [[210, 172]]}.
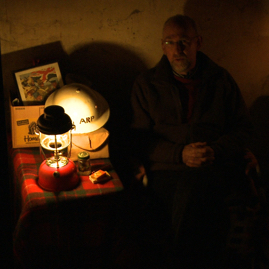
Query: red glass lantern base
{"points": [[58, 179]]}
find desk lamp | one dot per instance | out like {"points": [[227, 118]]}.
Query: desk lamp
{"points": [[57, 172]]}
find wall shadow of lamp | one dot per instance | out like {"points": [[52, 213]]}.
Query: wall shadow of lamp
{"points": [[89, 112], [57, 172]]}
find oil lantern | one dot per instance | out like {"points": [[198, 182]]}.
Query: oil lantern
{"points": [[57, 172]]}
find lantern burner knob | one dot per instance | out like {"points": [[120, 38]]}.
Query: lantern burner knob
{"points": [[56, 174]]}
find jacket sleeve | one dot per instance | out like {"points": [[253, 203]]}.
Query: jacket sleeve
{"points": [[238, 126], [145, 142]]}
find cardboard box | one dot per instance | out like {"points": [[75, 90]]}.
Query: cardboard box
{"points": [[23, 123]]}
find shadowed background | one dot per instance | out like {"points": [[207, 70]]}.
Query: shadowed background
{"points": [[109, 42]]}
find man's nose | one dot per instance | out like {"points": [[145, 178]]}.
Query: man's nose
{"points": [[179, 46]]}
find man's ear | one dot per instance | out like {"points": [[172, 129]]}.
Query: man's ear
{"points": [[199, 42], [163, 47]]}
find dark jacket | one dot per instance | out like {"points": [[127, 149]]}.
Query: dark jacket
{"points": [[219, 117]]}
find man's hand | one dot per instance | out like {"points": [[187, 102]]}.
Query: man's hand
{"points": [[197, 154]]}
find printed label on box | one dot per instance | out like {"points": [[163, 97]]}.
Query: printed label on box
{"points": [[23, 122], [25, 131]]}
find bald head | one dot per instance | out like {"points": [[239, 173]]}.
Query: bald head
{"points": [[181, 21]]}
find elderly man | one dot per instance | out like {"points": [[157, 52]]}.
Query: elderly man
{"points": [[190, 127]]}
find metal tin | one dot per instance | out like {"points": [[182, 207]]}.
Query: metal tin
{"points": [[84, 164]]}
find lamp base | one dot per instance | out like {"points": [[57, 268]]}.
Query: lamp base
{"points": [[58, 179]]}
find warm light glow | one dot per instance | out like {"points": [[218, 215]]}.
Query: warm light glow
{"points": [[56, 148], [48, 142]]}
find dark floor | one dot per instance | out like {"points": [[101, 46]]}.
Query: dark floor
{"points": [[247, 242], [135, 241]]}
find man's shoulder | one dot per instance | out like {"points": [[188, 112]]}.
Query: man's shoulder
{"points": [[159, 72], [210, 68], [147, 74]]}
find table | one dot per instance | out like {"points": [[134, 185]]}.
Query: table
{"points": [[60, 229]]}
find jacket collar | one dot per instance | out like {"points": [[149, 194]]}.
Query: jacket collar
{"points": [[164, 73]]}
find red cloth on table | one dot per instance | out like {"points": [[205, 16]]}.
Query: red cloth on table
{"points": [[59, 222]]}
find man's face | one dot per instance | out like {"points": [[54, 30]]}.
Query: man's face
{"points": [[180, 46]]}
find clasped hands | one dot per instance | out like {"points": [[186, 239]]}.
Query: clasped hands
{"points": [[197, 154]]}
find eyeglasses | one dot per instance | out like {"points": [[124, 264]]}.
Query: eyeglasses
{"points": [[182, 42]]}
